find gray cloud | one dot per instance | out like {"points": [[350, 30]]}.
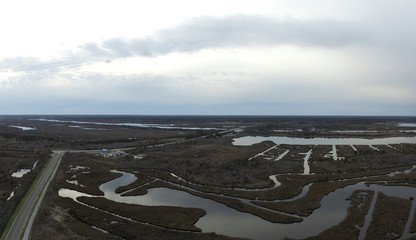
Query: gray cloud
{"points": [[233, 31], [201, 33], [29, 64], [376, 73]]}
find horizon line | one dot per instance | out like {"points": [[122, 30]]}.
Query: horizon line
{"points": [[207, 115]]}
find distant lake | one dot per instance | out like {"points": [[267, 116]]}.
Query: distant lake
{"points": [[406, 124], [250, 140]]}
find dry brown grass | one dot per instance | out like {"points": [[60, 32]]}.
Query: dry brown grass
{"points": [[214, 162], [230, 202], [141, 179], [389, 217], [347, 229], [412, 228], [345, 151], [305, 206], [170, 217]]}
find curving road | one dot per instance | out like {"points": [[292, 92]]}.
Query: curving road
{"points": [[24, 219]]}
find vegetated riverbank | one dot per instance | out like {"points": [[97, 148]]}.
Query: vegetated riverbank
{"points": [[207, 165], [150, 178], [349, 228], [108, 219]]}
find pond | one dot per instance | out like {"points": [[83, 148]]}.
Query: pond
{"points": [[23, 127], [20, 173]]}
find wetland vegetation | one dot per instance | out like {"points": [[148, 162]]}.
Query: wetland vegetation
{"points": [[194, 177]]}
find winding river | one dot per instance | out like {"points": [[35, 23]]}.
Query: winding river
{"points": [[227, 221]]}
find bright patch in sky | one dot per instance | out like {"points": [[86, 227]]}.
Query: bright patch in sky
{"points": [[210, 57]]}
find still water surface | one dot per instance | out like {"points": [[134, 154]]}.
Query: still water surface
{"points": [[250, 140], [227, 221]]}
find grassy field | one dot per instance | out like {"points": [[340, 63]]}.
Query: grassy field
{"points": [[203, 163]]}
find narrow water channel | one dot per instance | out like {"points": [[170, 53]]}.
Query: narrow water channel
{"points": [[227, 221]]}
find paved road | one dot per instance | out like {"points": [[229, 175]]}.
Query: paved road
{"points": [[35, 198], [22, 224]]}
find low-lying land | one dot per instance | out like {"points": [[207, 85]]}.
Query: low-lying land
{"points": [[349, 227], [21, 159], [278, 183]]}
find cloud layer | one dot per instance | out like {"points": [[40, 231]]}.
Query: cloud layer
{"points": [[236, 31], [202, 33], [231, 64]]}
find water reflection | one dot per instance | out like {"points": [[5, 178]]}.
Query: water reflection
{"points": [[227, 221], [406, 124], [20, 173], [250, 140]]}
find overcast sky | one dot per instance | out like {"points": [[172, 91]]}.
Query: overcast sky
{"points": [[290, 57]]}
